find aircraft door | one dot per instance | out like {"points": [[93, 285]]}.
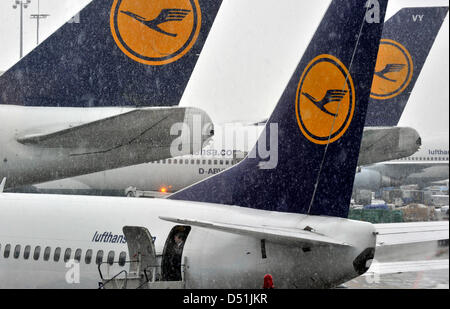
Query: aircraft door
{"points": [[141, 248], [171, 264]]}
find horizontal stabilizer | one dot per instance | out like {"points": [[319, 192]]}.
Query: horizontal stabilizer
{"points": [[411, 232], [381, 144], [405, 266], [286, 236], [145, 126]]}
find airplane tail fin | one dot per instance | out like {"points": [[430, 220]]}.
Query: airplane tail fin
{"points": [[313, 155], [110, 57], [405, 44]]}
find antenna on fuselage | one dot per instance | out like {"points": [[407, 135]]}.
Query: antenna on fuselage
{"points": [[2, 185]]}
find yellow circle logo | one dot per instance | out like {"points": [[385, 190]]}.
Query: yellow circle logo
{"points": [[155, 32], [325, 100], [393, 71]]}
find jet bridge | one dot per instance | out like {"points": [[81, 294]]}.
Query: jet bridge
{"points": [[147, 270]]}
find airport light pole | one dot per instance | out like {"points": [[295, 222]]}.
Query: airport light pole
{"points": [[38, 17], [23, 5]]}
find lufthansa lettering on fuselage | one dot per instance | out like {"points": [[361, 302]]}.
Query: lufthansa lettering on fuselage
{"points": [[108, 237], [215, 152], [437, 152]]}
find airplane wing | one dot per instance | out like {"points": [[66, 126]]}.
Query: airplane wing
{"points": [[381, 144], [411, 232], [405, 266], [286, 236], [146, 125]]}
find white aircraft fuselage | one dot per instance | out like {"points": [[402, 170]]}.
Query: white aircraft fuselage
{"points": [[215, 259]]}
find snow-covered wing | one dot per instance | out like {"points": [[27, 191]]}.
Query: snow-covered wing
{"points": [[286, 236]]}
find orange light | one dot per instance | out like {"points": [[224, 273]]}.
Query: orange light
{"points": [[163, 190]]}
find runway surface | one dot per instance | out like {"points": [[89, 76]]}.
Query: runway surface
{"points": [[435, 279]]}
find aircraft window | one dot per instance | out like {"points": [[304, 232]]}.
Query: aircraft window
{"points": [[164, 161], [122, 258], [57, 254], [215, 162], [37, 253], [78, 255], [192, 161], [203, 161], [181, 162], [169, 161], [198, 162], [221, 162], [175, 161], [186, 161], [7, 250], [47, 253], [17, 251], [209, 162], [88, 257], [227, 162], [67, 254], [99, 258], [26, 252], [111, 257]]}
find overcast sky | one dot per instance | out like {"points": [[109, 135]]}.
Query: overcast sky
{"points": [[253, 48]]}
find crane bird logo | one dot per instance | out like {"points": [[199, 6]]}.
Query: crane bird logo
{"points": [[393, 71], [155, 32], [325, 100]]}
